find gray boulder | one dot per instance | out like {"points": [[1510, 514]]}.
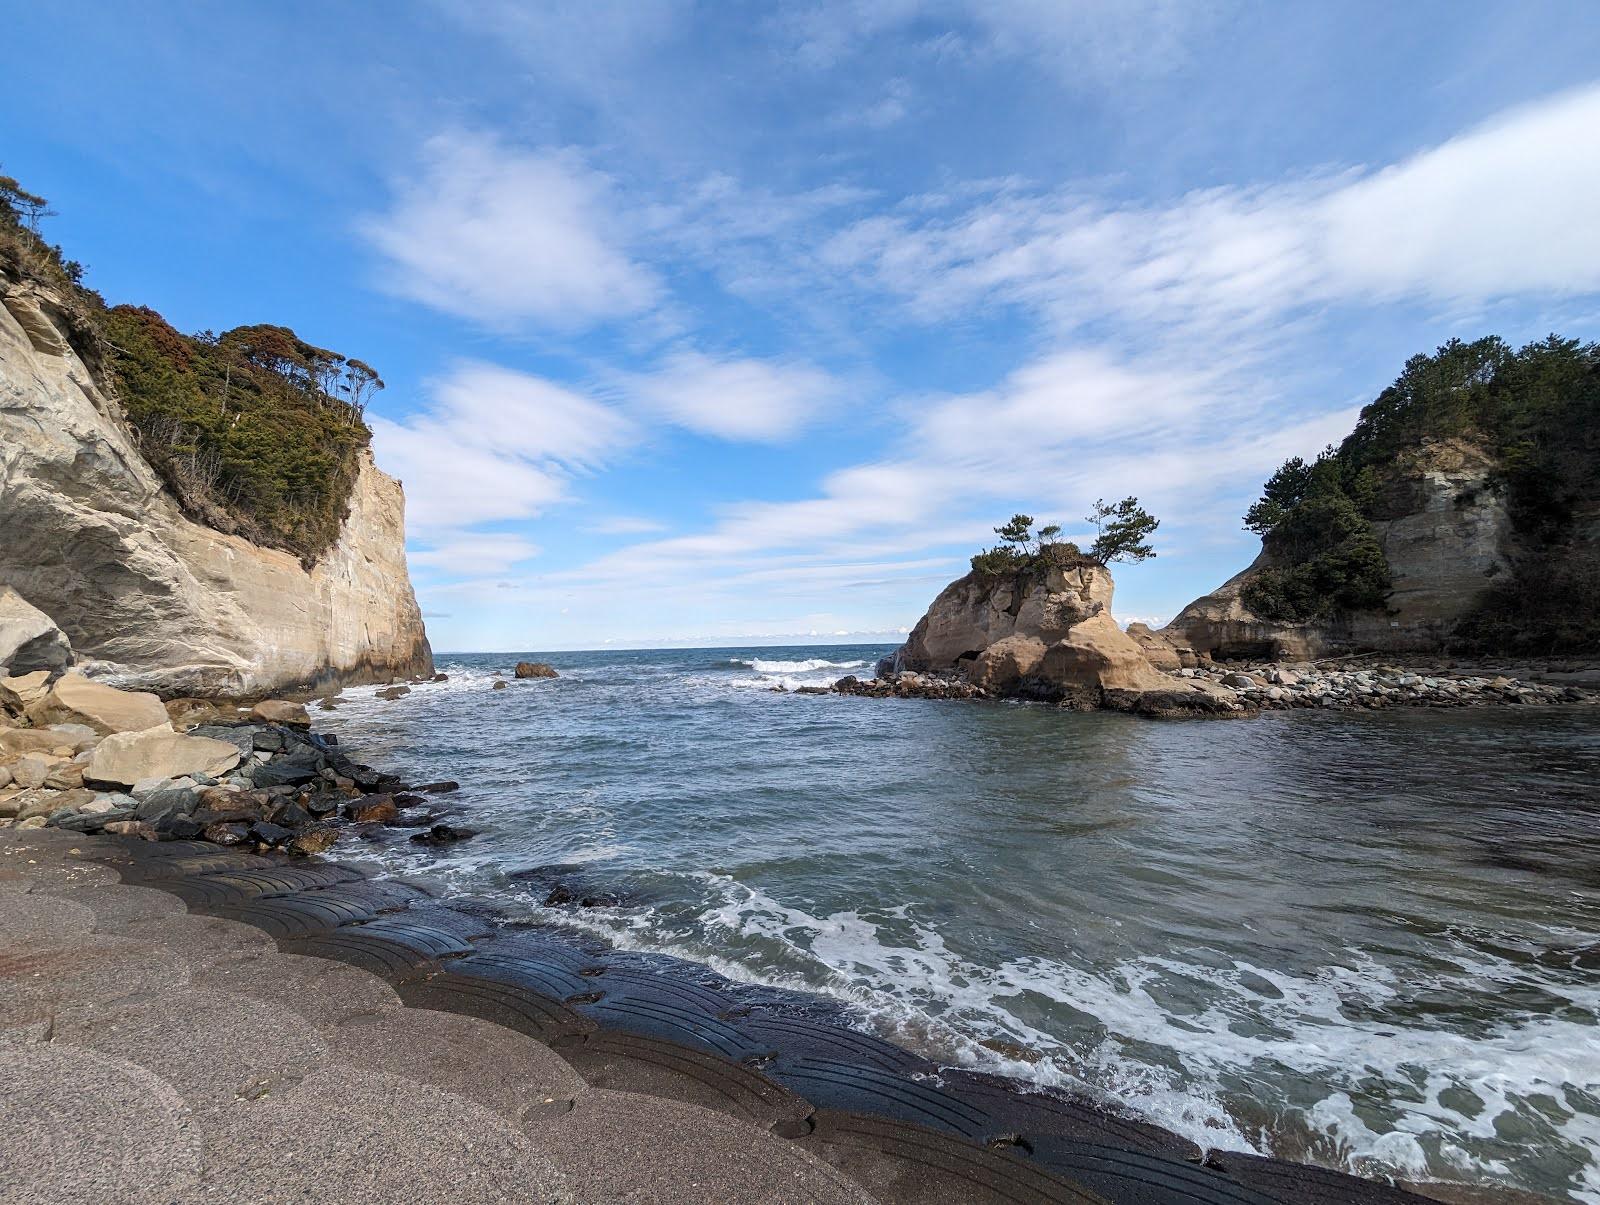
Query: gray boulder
{"points": [[29, 639]]}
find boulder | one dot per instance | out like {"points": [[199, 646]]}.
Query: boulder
{"points": [[19, 692], [394, 692], [373, 809], [535, 669], [1158, 650], [75, 699], [124, 758], [29, 639], [281, 711], [312, 840], [498, 685], [14, 741], [31, 769], [443, 834], [65, 776]]}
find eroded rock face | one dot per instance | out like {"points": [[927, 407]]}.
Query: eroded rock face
{"points": [[977, 611], [1049, 635], [29, 639], [1447, 537], [93, 540]]}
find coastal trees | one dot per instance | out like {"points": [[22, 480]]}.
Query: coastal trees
{"points": [[1533, 412], [1122, 533]]}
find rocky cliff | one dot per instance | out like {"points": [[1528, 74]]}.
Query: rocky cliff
{"points": [[1446, 534], [1046, 632], [91, 536]]}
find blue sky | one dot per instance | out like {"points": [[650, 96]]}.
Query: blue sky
{"points": [[719, 322]]}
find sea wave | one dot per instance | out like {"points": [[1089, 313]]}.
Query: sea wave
{"points": [[794, 667]]}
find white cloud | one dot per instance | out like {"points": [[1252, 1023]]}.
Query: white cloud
{"points": [[475, 552], [493, 445], [503, 235], [734, 399], [1504, 209]]}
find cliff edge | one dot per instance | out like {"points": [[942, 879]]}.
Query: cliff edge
{"points": [[91, 536]]}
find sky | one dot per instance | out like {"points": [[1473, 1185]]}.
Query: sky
{"points": [[746, 322]]}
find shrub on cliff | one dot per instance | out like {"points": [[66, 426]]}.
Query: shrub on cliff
{"points": [[1535, 409], [255, 431], [244, 427]]}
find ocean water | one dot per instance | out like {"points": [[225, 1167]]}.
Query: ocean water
{"points": [[1370, 940]]}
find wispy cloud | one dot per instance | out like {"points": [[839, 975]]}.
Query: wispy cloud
{"points": [[492, 445], [504, 235], [1469, 219], [733, 398]]}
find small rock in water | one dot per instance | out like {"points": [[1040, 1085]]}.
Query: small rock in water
{"points": [[444, 834], [498, 685], [374, 809], [439, 788], [394, 692], [535, 669]]}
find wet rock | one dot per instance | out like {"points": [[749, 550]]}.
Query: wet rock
{"points": [[292, 816], [444, 834], [440, 678], [535, 669], [394, 692], [378, 809], [312, 840], [268, 833], [178, 828], [498, 685], [226, 834], [439, 788], [322, 804]]}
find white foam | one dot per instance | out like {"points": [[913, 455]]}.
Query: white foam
{"points": [[798, 667]]}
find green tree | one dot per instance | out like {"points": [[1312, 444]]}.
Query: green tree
{"points": [[1122, 531], [1281, 494]]}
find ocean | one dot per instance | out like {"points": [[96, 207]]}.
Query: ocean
{"points": [[1368, 940]]}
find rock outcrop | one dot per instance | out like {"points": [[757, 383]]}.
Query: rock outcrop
{"points": [[29, 639], [91, 537], [1447, 536], [1047, 633]]}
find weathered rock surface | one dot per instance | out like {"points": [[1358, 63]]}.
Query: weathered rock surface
{"points": [[75, 699], [29, 639], [93, 539], [535, 669], [16, 693], [1447, 537], [1045, 634], [124, 758]]}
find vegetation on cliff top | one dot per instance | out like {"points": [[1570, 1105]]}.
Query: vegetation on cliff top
{"points": [[255, 431], [1536, 411], [1122, 532]]}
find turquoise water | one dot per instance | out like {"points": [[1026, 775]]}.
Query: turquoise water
{"points": [[1369, 940]]}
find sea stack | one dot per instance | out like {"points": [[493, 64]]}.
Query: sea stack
{"points": [[1045, 631]]}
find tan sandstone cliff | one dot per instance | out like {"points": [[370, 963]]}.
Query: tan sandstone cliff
{"points": [[90, 536], [1447, 536], [1048, 633]]}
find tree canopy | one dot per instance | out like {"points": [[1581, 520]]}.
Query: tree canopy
{"points": [[1535, 410], [1122, 531]]}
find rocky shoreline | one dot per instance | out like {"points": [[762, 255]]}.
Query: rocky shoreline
{"points": [[1275, 686], [77, 754]]}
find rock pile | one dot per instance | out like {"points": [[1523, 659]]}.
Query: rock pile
{"points": [[77, 754], [905, 685], [1275, 686]]}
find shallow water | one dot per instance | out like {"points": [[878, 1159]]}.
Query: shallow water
{"points": [[1369, 940]]}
